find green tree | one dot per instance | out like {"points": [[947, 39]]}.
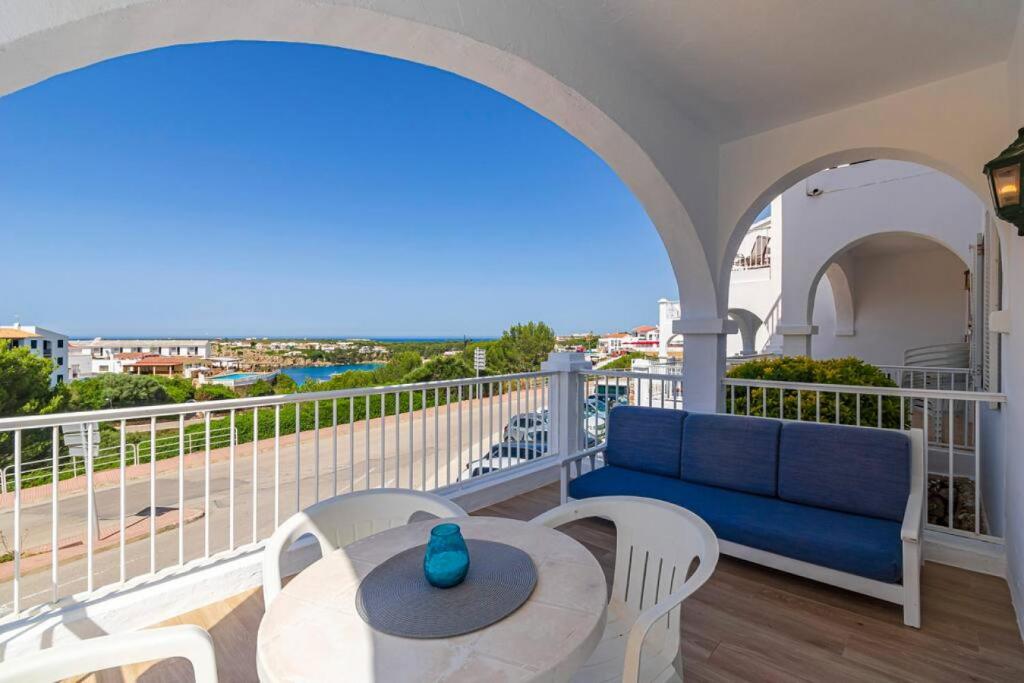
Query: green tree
{"points": [[115, 391], [440, 368], [24, 382], [178, 389], [521, 348]]}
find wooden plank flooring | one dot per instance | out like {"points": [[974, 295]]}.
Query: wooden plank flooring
{"points": [[746, 624]]}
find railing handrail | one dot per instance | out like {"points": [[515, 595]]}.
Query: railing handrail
{"points": [[633, 374], [925, 368], [11, 424], [990, 397]]}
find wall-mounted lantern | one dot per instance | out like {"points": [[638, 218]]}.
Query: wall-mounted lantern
{"points": [[1004, 178]]}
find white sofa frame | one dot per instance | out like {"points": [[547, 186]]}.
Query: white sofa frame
{"points": [[907, 594]]}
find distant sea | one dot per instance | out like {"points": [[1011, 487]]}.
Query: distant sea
{"points": [[324, 372]]}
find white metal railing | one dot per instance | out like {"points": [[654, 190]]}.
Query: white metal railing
{"points": [[951, 421], [40, 471], [929, 377], [287, 452], [602, 390], [953, 355]]}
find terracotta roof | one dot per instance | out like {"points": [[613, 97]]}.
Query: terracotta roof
{"points": [[645, 328], [15, 333], [162, 361]]}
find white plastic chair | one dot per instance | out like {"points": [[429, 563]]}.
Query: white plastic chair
{"points": [[341, 520], [105, 652], [656, 545]]}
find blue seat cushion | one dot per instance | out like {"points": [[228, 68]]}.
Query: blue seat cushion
{"points": [[848, 469], [645, 439], [864, 546], [731, 452]]}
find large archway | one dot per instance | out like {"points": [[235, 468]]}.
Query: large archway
{"points": [[45, 41]]}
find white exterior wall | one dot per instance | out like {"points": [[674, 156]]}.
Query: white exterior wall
{"points": [[901, 301], [821, 220], [48, 344]]}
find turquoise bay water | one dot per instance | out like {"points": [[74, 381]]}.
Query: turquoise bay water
{"points": [[322, 373]]}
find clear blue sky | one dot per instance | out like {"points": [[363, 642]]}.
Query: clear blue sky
{"points": [[273, 189]]}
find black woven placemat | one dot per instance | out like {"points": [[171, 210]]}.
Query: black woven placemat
{"points": [[396, 599]]}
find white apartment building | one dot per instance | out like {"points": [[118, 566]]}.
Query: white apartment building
{"points": [[41, 342], [100, 355]]}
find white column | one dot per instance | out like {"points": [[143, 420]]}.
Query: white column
{"points": [[565, 428], [796, 339], [704, 361]]}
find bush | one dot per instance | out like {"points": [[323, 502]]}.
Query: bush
{"points": [[283, 384], [115, 391], [178, 389], [214, 392], [260, 388], [624, 362], [849, 371]]}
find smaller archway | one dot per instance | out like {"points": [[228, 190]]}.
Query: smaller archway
{"points": [[749, 324], [883, 294]]}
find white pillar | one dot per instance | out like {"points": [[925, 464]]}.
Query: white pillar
{"points": [[704, 361], [565, 427], [796, 339]]}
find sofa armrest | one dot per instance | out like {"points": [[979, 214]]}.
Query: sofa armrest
{"points": [[913, 516], [567, 462]]}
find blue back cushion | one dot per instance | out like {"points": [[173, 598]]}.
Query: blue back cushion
{"points": [[645, 439], [731, 452], [850, 469]]}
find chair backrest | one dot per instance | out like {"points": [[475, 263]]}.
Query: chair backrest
{"points": [[657, 544], [95, 654], [339, 521]]}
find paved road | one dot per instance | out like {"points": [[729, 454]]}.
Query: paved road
{"points": [[419, 450]]}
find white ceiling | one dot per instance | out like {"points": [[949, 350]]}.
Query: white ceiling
{"points": [[742, 66]]}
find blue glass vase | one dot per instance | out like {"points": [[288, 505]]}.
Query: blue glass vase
{"points": [[447, 558]]}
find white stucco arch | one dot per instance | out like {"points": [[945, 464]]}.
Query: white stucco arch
{"points": [[973, 126], [842, 299], [41, 40], [749, 324]]}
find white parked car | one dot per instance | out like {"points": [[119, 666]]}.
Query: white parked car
{"points": [[503, 456]]}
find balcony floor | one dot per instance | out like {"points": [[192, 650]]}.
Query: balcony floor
{"points": [[747, 623]]}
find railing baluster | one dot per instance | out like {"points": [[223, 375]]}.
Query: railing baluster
{"points": [[351, 445], [460, 430], [412, 456], [277, 466], [437, 437], [181, 489], [448, 433], [398, 440], [366, 434], [334, 444], [255, 473], [16, 531], [298, 456], [152, 493], [423, 439], [206, 486], [316, 451], [231, 483], [952, 502], [977, 467], [383, 441], [55, 511]]}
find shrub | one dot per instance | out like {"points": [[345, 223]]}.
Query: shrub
{"points": [[214, 392], [848, 371]]}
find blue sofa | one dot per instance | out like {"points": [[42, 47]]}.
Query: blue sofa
{"points": [[833, 503]]}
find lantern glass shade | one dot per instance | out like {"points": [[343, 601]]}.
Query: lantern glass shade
{"points": [[1006, 186]]}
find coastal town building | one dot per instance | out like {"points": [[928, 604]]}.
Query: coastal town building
{"points": [[41, 342], [98, 356]]}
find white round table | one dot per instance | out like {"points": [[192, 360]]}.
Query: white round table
{"points": [[312, 631]]}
